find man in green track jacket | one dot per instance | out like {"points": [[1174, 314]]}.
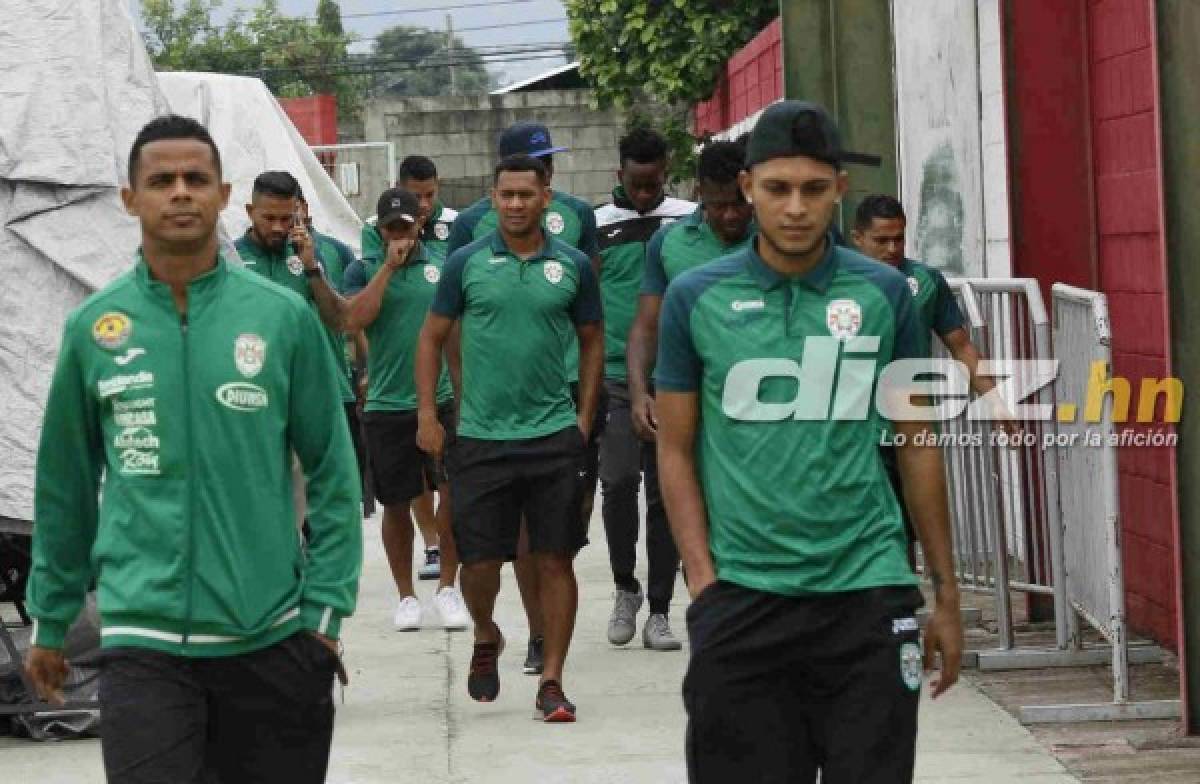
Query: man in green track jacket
{"points": [[181, 392]]}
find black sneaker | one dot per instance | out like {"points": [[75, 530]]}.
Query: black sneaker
{"points": [[552, 705], [533, 656], [483, 681]]}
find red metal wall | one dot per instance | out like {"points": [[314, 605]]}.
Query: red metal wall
{"points": [[1086, 208], [753, 79], [315, 116], [1132, 271]]}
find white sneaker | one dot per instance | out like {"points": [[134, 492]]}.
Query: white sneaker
{"points": [[408, 615], [450, 607]]}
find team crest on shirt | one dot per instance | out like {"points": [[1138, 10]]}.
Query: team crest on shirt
{"points": [[910, 665], [844, 318], [554, 271], [432, 274], [555, 223], [914, 285], [295, 265], [112, 330], [249, 353], [441, 231]]}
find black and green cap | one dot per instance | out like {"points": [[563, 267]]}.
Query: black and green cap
{"points": [[800, 128]]}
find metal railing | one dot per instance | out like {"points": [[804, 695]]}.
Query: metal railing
{"points": [[1087, 470], [1004, 497]]}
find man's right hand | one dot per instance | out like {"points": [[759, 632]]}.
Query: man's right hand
{"points": [[397, 253], [48, 670], [431, 436], [645, 423]]}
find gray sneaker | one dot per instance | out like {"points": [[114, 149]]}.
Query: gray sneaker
{"points": [[657, 635], [622, 625]]}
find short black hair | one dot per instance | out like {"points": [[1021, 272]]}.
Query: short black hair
{"points": [[720, 162], [279, 184], [522, 163], [416, 167], [877, 205], [642, 145], [170, 126]]}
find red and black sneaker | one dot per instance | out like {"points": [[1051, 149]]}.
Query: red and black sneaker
{"points": [[552, 705], [483, 681]]}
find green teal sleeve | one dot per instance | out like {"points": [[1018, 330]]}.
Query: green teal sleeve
{"points": [[678, 368], [589, 241], [355, 279], [448, 300], [462, 231], [321, 439], [946, 315], [588, 307], [372, 243], [654, 276], [69, 463]]}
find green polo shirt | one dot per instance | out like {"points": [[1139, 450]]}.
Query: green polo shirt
{"points": [[937, 308], [286, 269], [518, 317], [797, 496], [392, 336], [623, 234], [435, 235], [681, 246], [568, 219]]}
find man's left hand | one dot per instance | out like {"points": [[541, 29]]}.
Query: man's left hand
{"points": [[944, 635], [332, 645]]}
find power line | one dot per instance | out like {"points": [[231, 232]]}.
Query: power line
{"points": [[403, 11], [369, 68]]}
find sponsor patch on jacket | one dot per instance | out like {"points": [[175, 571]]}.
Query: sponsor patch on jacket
{"points": [[554, 272], [441, 231], [295, 265], [242, 396], [903, 625], [432, 273], [555, 223], [139, 462], [112, 330], [115, 385]]}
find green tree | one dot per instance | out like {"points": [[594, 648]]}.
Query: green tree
{"points": [[668, 51], [409, 60], [293, 55]]}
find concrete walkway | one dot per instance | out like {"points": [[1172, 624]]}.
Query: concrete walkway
{"points": [[407, 716]]}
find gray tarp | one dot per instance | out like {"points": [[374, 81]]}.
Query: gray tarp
{"points": [[76, 85]]}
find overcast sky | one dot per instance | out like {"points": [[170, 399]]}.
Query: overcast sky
{"points": [[520, 14]]}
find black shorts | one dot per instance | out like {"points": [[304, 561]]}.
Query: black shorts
{"points": [[779, 687], [400, 471], [494, 484], [591, 466]]}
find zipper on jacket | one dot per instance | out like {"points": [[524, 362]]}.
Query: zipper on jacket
{"points": [[190, 469]]}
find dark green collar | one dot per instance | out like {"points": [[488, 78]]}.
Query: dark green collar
{"points": [[818, 278], [500, 247]]}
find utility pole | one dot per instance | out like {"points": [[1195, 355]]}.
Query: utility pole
{"points": [[450, 52]]}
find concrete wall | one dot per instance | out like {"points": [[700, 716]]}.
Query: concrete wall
{"points": [[460, 134]]}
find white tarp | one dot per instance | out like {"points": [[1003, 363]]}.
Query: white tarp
{"points": [[255, 135], [77, 86]]}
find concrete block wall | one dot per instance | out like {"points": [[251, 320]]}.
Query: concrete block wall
{"points": [[460, 134]]}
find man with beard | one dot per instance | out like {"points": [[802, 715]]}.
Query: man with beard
{"points": [[519, 296]]}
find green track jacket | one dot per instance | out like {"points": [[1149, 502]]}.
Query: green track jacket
{"points": [[164, 471]]}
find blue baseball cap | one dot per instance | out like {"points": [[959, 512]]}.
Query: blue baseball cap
{"points": [[527, 139]]}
